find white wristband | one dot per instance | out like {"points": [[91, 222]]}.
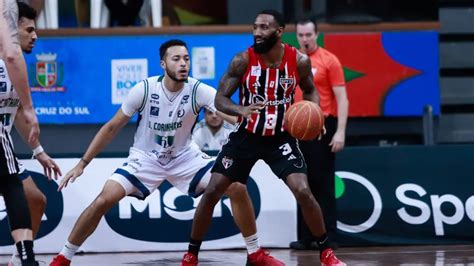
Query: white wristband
{"points": [[37, 150]]}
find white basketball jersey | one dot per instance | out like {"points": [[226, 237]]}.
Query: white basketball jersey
{"points": [[9, 100], [164, 123], [209, 142]]}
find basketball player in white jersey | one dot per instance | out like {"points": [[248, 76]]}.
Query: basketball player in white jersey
{"points": [[168, 106]]}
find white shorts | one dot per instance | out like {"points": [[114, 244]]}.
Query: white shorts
{"points": [[140, 175]]}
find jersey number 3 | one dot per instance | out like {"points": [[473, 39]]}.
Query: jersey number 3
{"points": [[271, 121], [286, 149]]}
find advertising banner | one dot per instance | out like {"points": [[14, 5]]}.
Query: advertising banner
{"points": [[161, 222], [78, 80], [386, 73], [385, 196], [406, 195]]}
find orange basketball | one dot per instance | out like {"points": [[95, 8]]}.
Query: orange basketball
{"points": [[304, 120]]}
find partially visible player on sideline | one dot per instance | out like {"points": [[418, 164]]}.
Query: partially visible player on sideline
{"points": [[211, 133], [320, 154], [36, 199], [11, 187], [267, 74], [168, 106]]}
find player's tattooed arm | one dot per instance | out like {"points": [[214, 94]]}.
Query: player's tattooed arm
{"points": [[229, 83], [307, 85], [15, 63], [10, 18]]}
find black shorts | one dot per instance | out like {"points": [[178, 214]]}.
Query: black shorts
{"points": [[241, 152], [8, 161]]}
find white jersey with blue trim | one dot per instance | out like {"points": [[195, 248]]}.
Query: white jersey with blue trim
{"points": [[211, 142], [9, 100], [165, 122]]}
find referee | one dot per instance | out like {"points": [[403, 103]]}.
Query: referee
{"points": [[13, 75]]}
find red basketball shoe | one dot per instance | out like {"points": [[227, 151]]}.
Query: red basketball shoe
{"points": [[60, 260], [262, 258], [329, 259], [189, 259]]}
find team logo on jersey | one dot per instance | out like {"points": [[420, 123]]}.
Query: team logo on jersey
{"points": [[256, 71], [48, 74], [164, 141], [287, 82], [181, 112], [185, 99], [227, 162], [155, 96], [154, 111]]}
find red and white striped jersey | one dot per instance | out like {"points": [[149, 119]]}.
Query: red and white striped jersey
{"points": [[275, 86]]}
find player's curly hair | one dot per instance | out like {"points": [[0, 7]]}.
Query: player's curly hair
{"points": [[174, 42], [279, 18]]}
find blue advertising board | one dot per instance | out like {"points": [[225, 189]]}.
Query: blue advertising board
{"points": [[78, 80], [83, 80]]}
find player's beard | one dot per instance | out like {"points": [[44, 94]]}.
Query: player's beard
{"points": [[266, 45], [173, 77]]}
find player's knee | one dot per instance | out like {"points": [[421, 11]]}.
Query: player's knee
{"points": [[101, 204], [236, 190], [36, 199], [303, 196], [212, 194]]}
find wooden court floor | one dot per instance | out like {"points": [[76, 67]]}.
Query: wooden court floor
{"points": [[411, 255]]}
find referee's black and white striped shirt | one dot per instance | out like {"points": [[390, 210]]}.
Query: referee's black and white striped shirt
{"points": [[9, 103]]}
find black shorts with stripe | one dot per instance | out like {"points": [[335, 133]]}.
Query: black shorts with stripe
{"points": [[244, 149], [8, 161]]}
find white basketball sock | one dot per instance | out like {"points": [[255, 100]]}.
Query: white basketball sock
{"points": [[252, 243], [69, 250]]}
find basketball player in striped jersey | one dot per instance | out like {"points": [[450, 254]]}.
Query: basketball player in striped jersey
{"points": [[8, 114], [267, 74], [167, 106], [14, 90]]}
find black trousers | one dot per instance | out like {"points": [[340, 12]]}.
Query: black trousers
{"points": [[321, 167]]}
